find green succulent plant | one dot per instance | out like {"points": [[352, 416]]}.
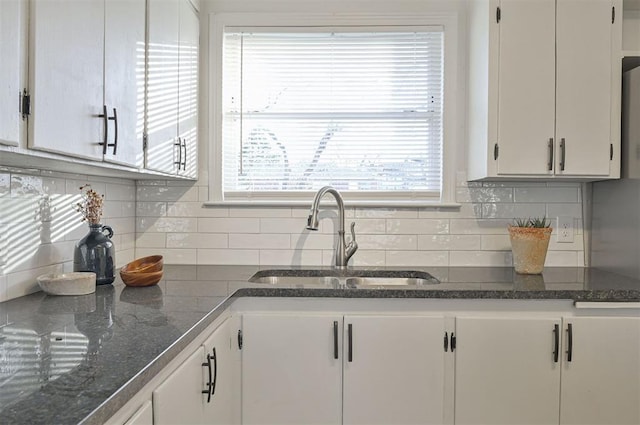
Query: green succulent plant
{"points": [[537, 222]]}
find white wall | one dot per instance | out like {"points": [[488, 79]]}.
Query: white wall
{"points": [[172, 221], [39, 224]]}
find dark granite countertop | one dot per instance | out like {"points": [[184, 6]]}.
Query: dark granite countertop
{"points": [[79, 359]]}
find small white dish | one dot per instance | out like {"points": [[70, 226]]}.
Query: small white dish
{"points": [[76, 283]]}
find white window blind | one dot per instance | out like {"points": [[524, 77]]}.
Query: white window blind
{"points": [[356, 108]]}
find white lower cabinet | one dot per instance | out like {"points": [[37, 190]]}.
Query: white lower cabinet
{"points": [[197, 392], [143, 416], [333, 369], [601, 377], [506, 371], [290, 371], [541, 370]]}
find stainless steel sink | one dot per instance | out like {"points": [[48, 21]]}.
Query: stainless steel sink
{"points": [[352, 278]]}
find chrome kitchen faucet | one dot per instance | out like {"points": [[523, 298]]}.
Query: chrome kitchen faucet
{"points": [[343, 251]]}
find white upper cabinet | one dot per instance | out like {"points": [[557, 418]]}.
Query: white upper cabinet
{"points": [[13, 24], [544, 89], [124, 55], [172, 87], [87, 82]]}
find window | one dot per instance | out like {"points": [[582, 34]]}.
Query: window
{"points": [[357, 107]]}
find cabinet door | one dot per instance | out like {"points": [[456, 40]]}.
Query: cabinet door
{"points": [[584, 86], [13, 51], [218, 407], [188, 90], [526, 92], [178, 400], [290, 373], [162, 85], [143, 416], [124, 50], [393, 370], [67, 45], [505, 371], [601, 382]]}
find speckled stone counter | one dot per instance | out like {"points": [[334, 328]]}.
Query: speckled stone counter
{"points": [[79, 359]]}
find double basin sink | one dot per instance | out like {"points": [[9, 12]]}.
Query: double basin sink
{"points": [[349, 278]]}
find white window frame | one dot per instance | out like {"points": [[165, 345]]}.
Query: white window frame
{"points": [[449, 21]]}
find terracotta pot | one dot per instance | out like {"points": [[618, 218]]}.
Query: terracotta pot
{"points": [[529, 246]]}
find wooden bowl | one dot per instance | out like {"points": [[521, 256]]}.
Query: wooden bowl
{"points": [[153, 263], [140, 278]]}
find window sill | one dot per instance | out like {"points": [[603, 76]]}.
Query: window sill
{"points": [[347, 203]]}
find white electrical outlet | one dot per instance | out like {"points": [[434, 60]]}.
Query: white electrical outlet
{"points": [[565, 229]]}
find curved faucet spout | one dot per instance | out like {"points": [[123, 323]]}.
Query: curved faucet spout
{"points": [[343, 251]]}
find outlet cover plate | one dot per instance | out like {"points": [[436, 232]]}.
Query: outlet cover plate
{"points": [[565, 229]]}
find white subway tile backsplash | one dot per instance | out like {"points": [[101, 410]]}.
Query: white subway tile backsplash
{"points": [[495, 243], [170, 255], [167, 224], [512, 210], [283, 225], [261, 212], [417, 226], [228, 256], [478, 227], [480, 258], [414, 258], [167, 193], [388, 242], [151, 209], [195, 209], [290, 257], [229, 225], [312, 240], [259, 241], [386, 213], [151, 240], [197, 240], [484, 194], [41, 224], [168, 218], [547, 194], [448, 242]]}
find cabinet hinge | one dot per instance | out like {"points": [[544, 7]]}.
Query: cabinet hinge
{"points": [[498, 14], [613, 14], [496, 151], [144, 141], [240, 339], [453, 342], [610, 151], [25, 104]]}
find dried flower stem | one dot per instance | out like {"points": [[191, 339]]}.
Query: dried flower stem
{"points": [[91, 205]]}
